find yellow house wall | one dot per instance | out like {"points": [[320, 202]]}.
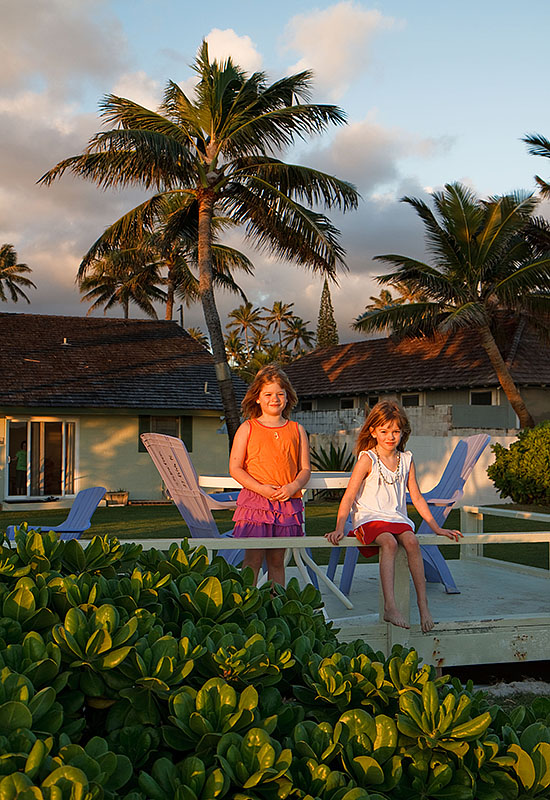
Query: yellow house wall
{"points": [[109, 454]]}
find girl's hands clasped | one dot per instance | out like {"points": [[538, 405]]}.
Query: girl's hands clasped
{"points": [[285, 492]]}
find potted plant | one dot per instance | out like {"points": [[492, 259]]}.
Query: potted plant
{"points": [[118, 497]]}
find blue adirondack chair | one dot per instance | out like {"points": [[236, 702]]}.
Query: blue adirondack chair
{"points": [[79, 518], [176, 469], [440, 499]]}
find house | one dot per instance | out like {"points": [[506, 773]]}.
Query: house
{"points": [[446, 382], [76, 392]]}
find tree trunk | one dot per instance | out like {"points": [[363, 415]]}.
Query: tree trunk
{"points": [[170, 287], [211, 316], [505, 379]]}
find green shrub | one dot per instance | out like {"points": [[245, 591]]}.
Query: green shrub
{"points": [[144, 676], [522, 472]]}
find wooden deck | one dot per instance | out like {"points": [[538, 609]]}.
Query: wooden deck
{"points": [[501, 615]]}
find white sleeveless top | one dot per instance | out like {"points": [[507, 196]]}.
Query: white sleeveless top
{"points": [[378, 500]]}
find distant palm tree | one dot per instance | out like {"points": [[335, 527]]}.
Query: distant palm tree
{"points": [[383, 301], [198, 336], [221, 150], [297, 334], [246, 320], [276, 316], [487, 259], [166, 233], [121, 278], [234, 348], [11, 275], [261, 340]]}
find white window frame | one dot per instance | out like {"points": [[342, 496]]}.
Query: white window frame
{"points": [[421, 398], [353, 403], [28, 420], [494, 396]]}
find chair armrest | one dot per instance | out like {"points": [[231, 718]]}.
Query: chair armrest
{"points": [[438, 501]]}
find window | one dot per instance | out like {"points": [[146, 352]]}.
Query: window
{"points": [[372, 400], [180, 427], [346, 402], [306, 405], [484, 398], [41, 457], [410, 400]]}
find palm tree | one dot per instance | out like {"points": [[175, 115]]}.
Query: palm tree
{"points": [[12, 275], [297, 334], [198, 336], [539, 146], [261, 340], [276, 316], [246, 320], [235, 349], [217, 151], [485, 262], [167, 235], [384, 301], [121, 278]]}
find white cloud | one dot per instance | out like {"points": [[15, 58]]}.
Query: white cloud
{"points": [[242, 49], [85, 39], [335, 43], [140, 88], [368, 154]]}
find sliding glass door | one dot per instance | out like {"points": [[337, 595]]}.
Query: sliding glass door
{"points": [[41, 457]]}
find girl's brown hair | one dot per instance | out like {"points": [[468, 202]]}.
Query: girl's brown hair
{"points": [[271, 373], [383, 412]]}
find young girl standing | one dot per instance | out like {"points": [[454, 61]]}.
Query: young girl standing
{"points": [[270, 459], [376, 498]]}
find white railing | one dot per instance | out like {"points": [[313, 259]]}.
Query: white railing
{"points": [[471, 525]]}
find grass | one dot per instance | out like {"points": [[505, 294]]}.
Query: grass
{"points": [[164, 521]]}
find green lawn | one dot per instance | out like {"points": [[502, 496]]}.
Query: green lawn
{"points": [[165, 522]]}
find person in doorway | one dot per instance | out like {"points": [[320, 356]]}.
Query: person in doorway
{"points": [[21, 469]]}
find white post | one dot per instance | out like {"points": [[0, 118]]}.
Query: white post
{"points": [[471, 522]]}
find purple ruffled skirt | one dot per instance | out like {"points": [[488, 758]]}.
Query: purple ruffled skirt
{"points": [[255, 515]]}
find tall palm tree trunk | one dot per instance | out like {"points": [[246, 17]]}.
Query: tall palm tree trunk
{"points": [[505, 379], [211, 316], [170, 287]]}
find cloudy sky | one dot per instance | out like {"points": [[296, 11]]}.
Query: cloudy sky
{"points": [[434, 92]]}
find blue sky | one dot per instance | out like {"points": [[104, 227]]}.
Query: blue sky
{"points": [[434, 92]]}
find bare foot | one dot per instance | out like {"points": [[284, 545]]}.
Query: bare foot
{"points": [[395, 618], [426, 620]]}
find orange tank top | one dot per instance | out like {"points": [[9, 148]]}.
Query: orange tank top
{"points": [[273, 454]]}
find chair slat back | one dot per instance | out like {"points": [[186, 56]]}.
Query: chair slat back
{"points": [[176, 469], [459, 467], [80, 515]]}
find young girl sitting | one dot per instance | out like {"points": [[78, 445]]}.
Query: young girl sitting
{"points": [[270, 458], [376, 498]]}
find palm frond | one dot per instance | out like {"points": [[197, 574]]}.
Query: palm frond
{"points": [[302, 183], [410, 319], [420, 277], [439, 243], [279, 225], [537, 145]]}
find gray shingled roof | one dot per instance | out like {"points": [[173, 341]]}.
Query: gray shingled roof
{"points": [[440, 362], [56, 361]]}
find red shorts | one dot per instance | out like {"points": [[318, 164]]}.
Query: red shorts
{"points": [[369, 531]]}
